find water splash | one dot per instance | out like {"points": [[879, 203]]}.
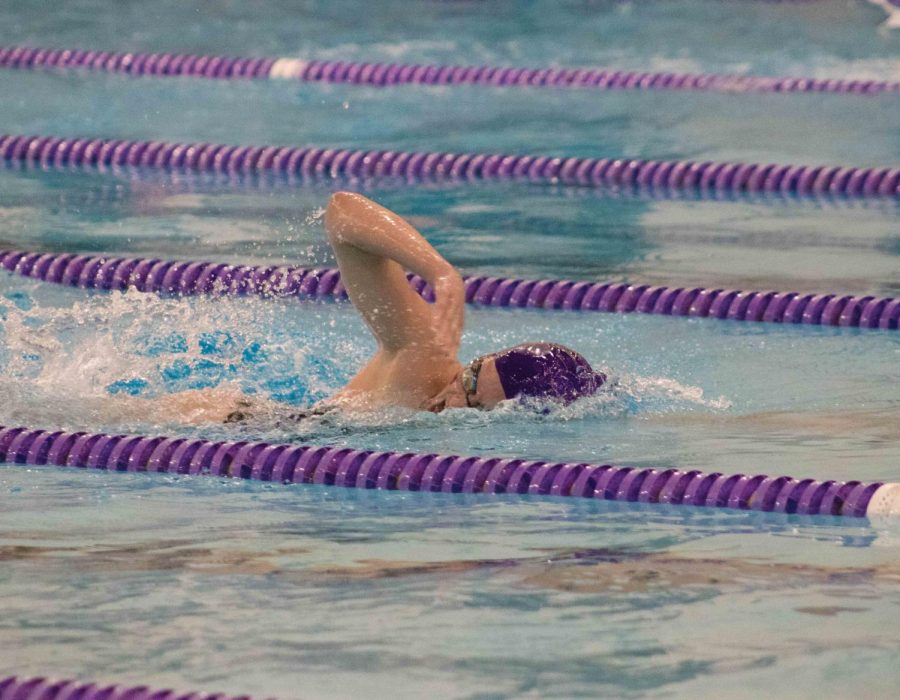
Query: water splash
{"points": [[89, 360]]}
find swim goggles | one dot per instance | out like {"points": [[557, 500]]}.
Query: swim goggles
{"points": [[469, 380]]}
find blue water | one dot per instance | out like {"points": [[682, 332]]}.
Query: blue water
{"points": [[318, 592]]}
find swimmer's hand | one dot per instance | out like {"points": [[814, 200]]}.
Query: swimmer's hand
{"points": [[374, 246], [449, 309], [193, 407]]}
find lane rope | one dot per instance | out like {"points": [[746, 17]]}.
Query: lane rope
{"points": [[408, 471], [388, 74], [186, 278], [40, 688], [108, 190], [702, 176]]}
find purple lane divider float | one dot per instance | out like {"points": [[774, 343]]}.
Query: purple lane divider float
{"points": [[408, 471], [38, 688], [192, 278], [311, 162], [387, 74]]}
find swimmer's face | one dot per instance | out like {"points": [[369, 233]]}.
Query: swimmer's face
{"points": [[477, 385]]}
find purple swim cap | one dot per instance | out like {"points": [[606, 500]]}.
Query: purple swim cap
{"points": [[546, 370]]}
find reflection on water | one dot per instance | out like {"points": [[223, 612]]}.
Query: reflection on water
{"points": [[257, 588], [589, 571]]}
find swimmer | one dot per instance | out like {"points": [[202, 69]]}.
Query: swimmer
{"points": [[416, 365]]}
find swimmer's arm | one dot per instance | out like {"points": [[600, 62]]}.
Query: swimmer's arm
{"points": [[193, 407], [373, 246]]}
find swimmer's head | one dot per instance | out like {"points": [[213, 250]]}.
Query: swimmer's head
{"points": [[537, 370], [546, 370]]}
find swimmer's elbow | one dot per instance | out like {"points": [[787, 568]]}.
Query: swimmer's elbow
{"points": [[340, 201], [338, 214]]}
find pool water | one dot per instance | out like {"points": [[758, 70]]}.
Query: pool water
{"points": [[320, 592]]}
